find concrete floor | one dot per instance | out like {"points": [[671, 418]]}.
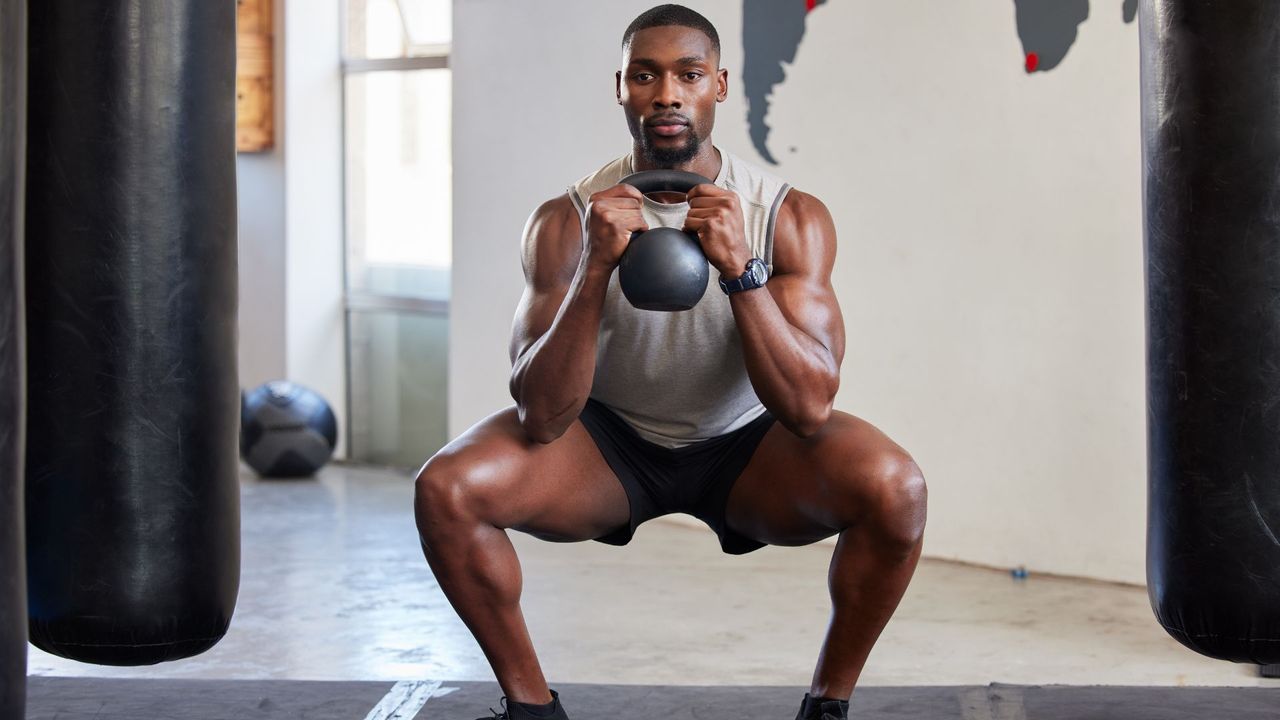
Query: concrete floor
{"points": [[334, 588]]}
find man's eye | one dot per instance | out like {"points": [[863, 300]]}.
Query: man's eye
{"points": [[641, 76], [693, 75]]}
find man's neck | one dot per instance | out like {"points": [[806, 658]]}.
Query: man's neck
{"points": [[706, 163]]}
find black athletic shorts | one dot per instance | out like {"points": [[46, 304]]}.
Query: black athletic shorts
{"points": [[694, 479]]}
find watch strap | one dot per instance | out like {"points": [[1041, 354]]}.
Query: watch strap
{"points": [[746, 281]]}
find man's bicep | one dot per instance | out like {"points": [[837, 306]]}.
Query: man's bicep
{"points": [[550, 250]]}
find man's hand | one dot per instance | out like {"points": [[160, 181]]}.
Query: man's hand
{"points": [[613, 214], [716, 216]]}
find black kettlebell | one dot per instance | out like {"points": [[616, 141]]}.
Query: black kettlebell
{"points": [[663, 268]]}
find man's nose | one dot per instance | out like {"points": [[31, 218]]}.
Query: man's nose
{"points": [[668, 95]]}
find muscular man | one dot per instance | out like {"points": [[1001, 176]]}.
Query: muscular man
{"points": [[723, 411]]}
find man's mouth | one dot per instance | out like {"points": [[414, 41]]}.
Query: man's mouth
{"points": [[668, 128]]}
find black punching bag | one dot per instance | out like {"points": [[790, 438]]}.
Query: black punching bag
{"points": [[132, 492], [1211, 134], [13, 587]]}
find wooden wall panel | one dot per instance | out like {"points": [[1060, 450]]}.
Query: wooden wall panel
{"points": [[255, 127]]}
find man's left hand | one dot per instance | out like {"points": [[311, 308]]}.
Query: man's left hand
{"points": [[715, 214]]}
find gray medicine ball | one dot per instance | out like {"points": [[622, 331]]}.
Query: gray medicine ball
{"points": [[286, 430]]}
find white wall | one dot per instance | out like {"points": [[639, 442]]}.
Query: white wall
{"points": [[315, 349], [260, 188], [291, 283], [260, 196], [990, 254]]}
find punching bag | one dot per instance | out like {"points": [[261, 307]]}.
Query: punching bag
{"points": [[13, 587], [1211, 146], [132, 491]]}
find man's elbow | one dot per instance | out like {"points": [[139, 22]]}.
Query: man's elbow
{"points": [[541, 430], [807, 426], [808, 419]]}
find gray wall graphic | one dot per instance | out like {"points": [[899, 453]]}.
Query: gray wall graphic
{"points": [[1048, 28], [771, 35], [772, 31]]}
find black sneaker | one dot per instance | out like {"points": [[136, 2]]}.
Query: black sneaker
{"points": [[519, 713], [811, 709]]}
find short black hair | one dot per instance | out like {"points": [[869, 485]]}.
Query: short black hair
{"points": [[664, 15]]}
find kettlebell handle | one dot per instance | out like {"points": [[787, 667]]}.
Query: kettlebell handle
{"points": [[652, 181]]}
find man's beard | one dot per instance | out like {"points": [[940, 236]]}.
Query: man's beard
{"points": [[669, 157]]}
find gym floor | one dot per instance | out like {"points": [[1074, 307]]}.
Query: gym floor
{"points": [[334, 587]]}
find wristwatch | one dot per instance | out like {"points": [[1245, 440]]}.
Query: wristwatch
{"points": [[755, 276]]}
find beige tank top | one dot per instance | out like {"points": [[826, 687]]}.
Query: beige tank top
{"points": [[679, 377]]}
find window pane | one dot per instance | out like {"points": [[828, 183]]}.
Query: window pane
{"points": [[399, 182], [398, 28], [398, 377]]}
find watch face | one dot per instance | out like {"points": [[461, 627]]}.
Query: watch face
{"points": [[758, 273]]}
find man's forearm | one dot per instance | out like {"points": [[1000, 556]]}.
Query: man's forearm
{"points": [[792, 373], [550, 382]]}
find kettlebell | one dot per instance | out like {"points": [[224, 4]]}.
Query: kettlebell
{"points": [[663, 268]]}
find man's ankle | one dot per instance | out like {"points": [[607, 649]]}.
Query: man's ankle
{"points": [[814, 708], [551, 709]]}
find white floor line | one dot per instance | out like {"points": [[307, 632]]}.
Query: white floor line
{"points": [[405, 699]]}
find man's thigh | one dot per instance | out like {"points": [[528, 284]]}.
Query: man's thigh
{"points": [[561, 491], [796, 491]]}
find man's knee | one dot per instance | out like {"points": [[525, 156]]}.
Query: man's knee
{"points": [[896, 501], [448, 491]]}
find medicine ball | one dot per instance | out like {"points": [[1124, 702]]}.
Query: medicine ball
{"points": [[286, 430]]}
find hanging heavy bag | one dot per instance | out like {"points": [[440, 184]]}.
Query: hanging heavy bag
{"points": [[13, 587], [1211, 106], [132, 493]]}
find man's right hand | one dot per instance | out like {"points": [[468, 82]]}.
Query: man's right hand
{"points": [[613, 214]]}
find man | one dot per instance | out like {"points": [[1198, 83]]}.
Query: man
{"points": [[723, 411]]}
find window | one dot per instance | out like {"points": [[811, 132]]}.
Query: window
{"points": [[398, 204]]}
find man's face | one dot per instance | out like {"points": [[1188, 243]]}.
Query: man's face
{"points": [[668, 87]]}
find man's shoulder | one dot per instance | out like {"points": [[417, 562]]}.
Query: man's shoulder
{"points": [[555, 212], [802, 203], [800, 210]]}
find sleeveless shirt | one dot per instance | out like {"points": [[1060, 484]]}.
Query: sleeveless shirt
{"points": [[679, 377]]}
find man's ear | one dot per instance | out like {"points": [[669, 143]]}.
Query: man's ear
{"points": [[617, 86], [722, 83]]}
